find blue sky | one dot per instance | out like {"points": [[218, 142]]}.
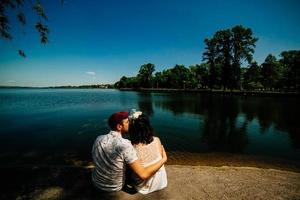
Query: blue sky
{"points": [[95, 41]]}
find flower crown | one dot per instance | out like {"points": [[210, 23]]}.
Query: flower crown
{"points": [[134, 114]]}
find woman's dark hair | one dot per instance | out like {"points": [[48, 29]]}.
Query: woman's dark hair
{"points": [[140, 130]]}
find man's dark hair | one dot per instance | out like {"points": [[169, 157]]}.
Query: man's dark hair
{"points": [[140, 130]]}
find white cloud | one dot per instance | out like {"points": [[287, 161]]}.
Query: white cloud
{"points": [[91, 73], [11, 81]]}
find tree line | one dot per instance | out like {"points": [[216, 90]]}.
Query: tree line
{"points": [[225, 53]]}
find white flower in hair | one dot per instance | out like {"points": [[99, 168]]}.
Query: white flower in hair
{"points": [[137, 114], [134, 114]]}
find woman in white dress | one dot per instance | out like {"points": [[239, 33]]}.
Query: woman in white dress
{"points": [[149, 150]]}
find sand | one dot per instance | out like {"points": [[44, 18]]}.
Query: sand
{"points": [[206, 182], [190, 176]]}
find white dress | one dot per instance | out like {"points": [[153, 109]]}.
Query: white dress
{"points": [[150, 154]]}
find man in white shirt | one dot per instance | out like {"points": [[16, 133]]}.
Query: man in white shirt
{"points": [[111, 153]]}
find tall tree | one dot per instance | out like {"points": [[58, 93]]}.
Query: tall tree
{"points": [[145, 75], [243, 44], [230, 48], [210, 55], [224, 49], [157, 80]]}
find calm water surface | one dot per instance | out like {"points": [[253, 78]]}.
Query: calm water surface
{"points": [[58, 125]]}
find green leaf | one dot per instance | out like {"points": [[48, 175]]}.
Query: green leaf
{"points": [[38, 8], [21, 53], [21, 18], [43, 30]]}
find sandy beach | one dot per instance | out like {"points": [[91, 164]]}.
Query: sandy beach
{"points": [[184, 182], [190, 176], [206, 182]]}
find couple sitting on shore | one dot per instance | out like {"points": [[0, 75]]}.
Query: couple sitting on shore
{"points": [[144, 155]]}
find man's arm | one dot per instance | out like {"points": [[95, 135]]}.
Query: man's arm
{"points": [[146, 172]]}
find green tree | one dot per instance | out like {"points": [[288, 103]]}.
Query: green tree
{"points": [[210, 55], [16, 8], [252, 77], [270, 72], [133, 82], [243, 44], [127, 82], [145, 75], [157, 80], [166, 78], [224, 49], [179, 77], [291, 72], [161, 79], [122, 83], [229, 48], [200, 75]]}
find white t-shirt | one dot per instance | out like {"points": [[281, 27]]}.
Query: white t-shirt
{"points": [[110, 154]]}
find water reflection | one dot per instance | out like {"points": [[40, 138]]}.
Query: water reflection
{"points": [[49, 125], [145, 103], [220, 130], [181, 103], [280, 112], [224, 129]]}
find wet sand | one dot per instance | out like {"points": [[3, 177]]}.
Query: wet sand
{"points": [[234, 160], [190, 176]]}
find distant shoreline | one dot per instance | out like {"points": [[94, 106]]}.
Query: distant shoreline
{"points": [[105, 86], [171, 90], [216, 91]]}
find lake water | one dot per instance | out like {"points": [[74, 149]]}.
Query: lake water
{"points": [[57, 125]]}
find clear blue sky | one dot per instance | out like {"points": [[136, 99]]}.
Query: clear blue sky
{"points": [[95, 41]]}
